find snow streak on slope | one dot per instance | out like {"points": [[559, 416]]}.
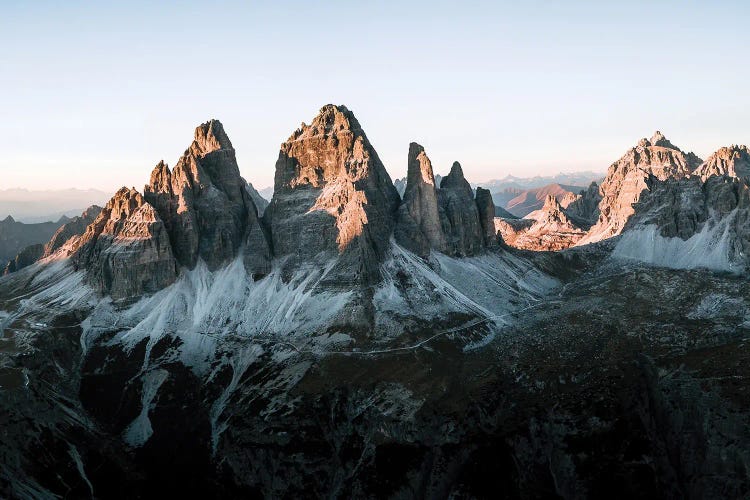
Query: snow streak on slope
{"points": [[203, 306], [485, 286], [139, 431], [711, 248]]}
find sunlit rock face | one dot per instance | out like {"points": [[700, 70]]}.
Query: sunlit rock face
{"points": [[126, 250], [419, 228], [547, 229], [733, 161], [459, 215], [76, 227], [626, 181], [206, 207], [332, 196]]}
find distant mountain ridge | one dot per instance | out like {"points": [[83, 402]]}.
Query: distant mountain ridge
{"points": [[32, 206], [582, 178]]}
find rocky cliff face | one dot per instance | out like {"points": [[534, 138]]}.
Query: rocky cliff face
{"points": [[486, 209], [332, 197], [688, 223], [206, 208], [126, 250], [73, 228], [418, 227], [260, 203], [585, 205], [459, 215], [548, 229], [626, 181], [733, 161]]}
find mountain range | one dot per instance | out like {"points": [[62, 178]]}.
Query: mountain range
{"points": [[349, 340]]}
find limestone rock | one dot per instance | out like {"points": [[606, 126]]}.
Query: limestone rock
{"points": [[679, 207], [332, 196], [260, 203], [689, 223], [548, 229], [733, 161], [126, 250], [71, 229], [206, 207], [486, 209], [418, 227], [459, 215], [626, 180], [585, 205]]}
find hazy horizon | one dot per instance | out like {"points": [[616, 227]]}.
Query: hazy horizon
{"points": [[100, 94]]}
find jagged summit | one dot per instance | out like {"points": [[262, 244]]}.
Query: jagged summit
{"points": [[419, 168], [733, 161], [455, 178], [332, 195], [658, 139], [627, 179], [209, 137], [205, 206], [418, 227]]}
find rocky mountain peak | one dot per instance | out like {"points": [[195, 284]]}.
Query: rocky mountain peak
{"points": [[733, 161], [68, 234], [455, 180], [486, 211], [204, 203], [418, 225], [551, 204], [419, 167], [455, 177], [161, 177], [460, 216], [332, 194], [210, 137], [628, 177], [658, 139], [126, 250]]}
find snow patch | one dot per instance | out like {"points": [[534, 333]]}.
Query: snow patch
{"points": [[139, 431], [711, 248]]}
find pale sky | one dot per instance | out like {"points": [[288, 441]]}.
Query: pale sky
{"points": [[93, 96]]}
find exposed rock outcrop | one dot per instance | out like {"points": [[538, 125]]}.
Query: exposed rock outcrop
{"points": [[459, 215], [548, 229], [260, 203], [418, 227], [585, 205], [25, 258], [688, 223], [486, 209], [733, 161], [332, 196], [71, 229], [206, 208], [126, 250], [627, 179]]}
